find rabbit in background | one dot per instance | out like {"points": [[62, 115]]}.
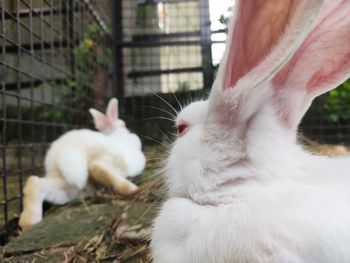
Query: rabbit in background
{"points": [[109, 155], [241, 189]]}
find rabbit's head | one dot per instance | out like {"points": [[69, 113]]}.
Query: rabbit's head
{"points": [[109, 123], [280, 55]]}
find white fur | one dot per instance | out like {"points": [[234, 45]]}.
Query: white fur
{"points": [[68, 160], [70, 155], [287, 206], [241, 189]]}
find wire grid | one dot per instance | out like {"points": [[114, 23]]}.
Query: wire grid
{"points": [[328, 119], [49, 76], [165, 46]]}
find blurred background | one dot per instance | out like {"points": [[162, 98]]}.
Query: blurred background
{"points": [[60, 57]]}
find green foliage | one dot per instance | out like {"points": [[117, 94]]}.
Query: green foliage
{"points": [[88, 57], [337, 103], [224, 20]]}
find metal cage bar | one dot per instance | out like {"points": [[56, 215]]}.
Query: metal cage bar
{"points": [[52, 61]]}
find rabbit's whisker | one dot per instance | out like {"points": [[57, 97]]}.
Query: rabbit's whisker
{"points": [[154, 140], [178, 102], [163, 133], [171, 107], [160, 109], [157, 118]]}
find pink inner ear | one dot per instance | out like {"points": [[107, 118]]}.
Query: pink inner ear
{"points": [[258, 27], [113, 114], [327, 74], [112, 110], [101, 121], [320, 64]]}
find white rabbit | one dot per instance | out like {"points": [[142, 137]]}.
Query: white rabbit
{"points": [[110, 155], [241, 189]]}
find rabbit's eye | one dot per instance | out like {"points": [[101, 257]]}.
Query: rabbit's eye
{"points": [[181, 128]]}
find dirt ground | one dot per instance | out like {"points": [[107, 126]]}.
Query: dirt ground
{"points": [[105, 228]]}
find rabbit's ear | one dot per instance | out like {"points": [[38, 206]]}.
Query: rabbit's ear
{"points": [[112, 110], [320, 64], [101, 122], [263, 35]]}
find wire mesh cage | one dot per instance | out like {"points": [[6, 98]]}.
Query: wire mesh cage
{"points": [[55, 63], [164, 46], [328, 119], [174, 45]]}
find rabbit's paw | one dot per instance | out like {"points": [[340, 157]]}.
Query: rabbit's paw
{"points": [[28, 219]]}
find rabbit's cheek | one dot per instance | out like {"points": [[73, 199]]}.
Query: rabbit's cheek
{"points": [[184, 163]]}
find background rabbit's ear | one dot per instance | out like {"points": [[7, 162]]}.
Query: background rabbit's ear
{"points": [[263, 35], [112, 110], [320, 64], [101, 122]]}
